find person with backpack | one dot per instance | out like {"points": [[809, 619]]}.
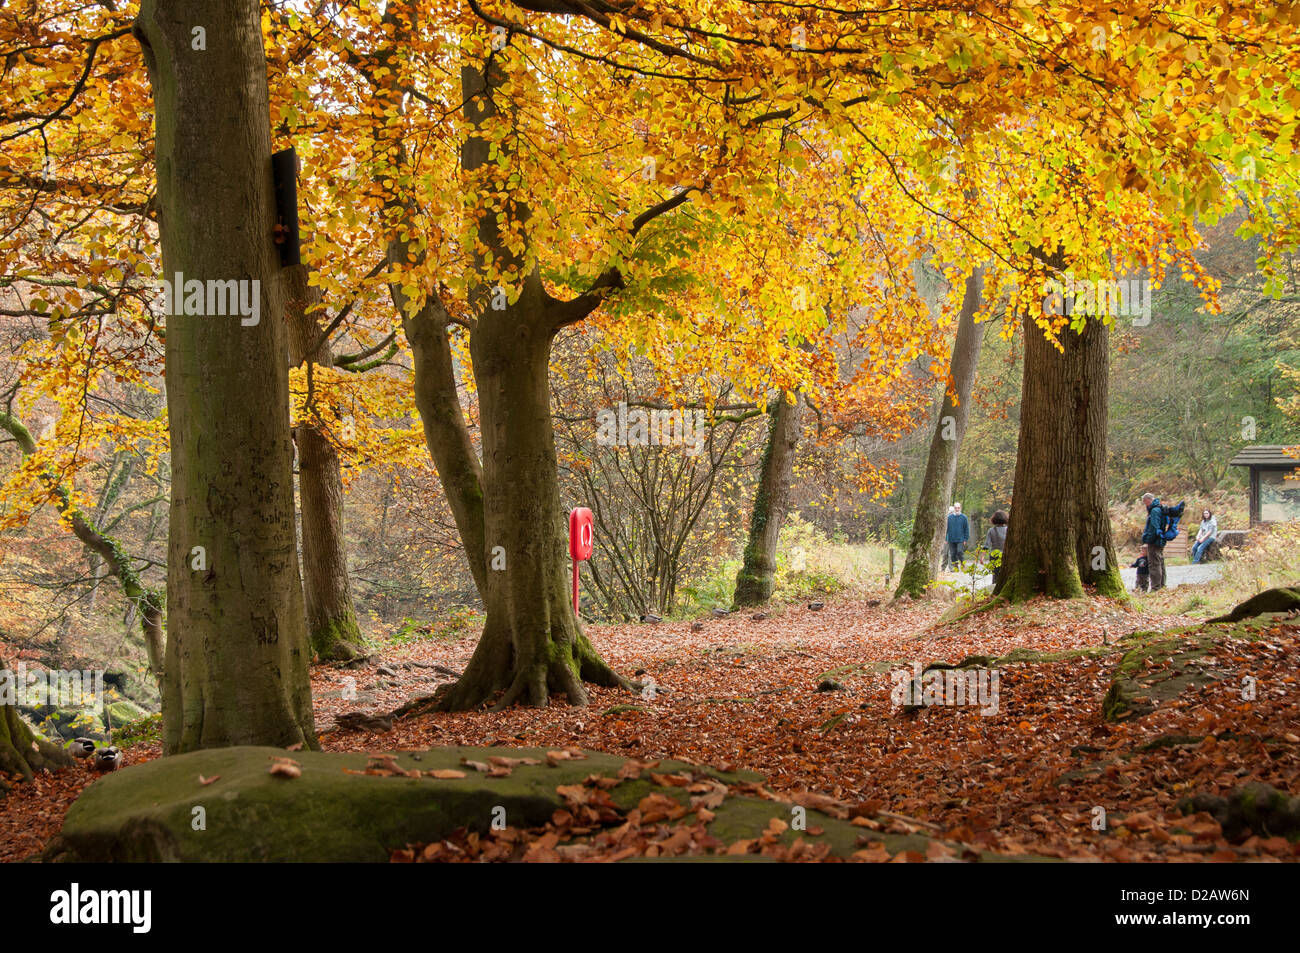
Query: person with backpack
{"points": [[1142, 564], [1155, 542], [958, 535], [1205, 535], [1161, 527], [995, 540]]}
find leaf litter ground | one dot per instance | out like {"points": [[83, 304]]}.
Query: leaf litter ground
{"points": [[741, 694]]}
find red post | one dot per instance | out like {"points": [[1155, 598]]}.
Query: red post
{"points": [[580, 527]]}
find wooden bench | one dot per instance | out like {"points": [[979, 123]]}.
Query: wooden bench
{"points": [[1178, 547]]}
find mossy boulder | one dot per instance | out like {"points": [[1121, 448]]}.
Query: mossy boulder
{"points": [[1157, 671], [743, 818], [1254, 808], [332, 810], [119, 711], [64, 724], [1270, 600]]}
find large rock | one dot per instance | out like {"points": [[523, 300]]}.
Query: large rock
{"points": [[64, 724], [119, 710], [332, 812], [1253, 808], [1156, 671], [335, 812], [1270, 600]]}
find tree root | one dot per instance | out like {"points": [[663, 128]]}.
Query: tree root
{"points": [[493, 676]]}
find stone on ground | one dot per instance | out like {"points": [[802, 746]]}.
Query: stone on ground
{"points": [[323, 806]]}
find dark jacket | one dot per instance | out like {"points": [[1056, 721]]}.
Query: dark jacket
{"points": [[1142, 566], [1155, 523], [996, 538], [958, 528]]}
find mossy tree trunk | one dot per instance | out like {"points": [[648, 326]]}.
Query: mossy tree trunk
{"points": [[437, 398], [928, 527], [532, 644], [1059, 538], [757, 574], [331, 615], [238, 652], [22, 754], [506, 505]]}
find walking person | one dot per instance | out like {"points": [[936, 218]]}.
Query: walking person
{"points": [[946, 562], [995, 540], [1205, 535], [1155, 542], [958, 535]]}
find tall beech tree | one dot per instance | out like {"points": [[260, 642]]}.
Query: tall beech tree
{"points": [[923, 550], [238, 651], [532, 644], [757, 573], [331, 616], [1059, 537]]}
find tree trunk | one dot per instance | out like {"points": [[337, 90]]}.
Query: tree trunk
{"points": [[532, 645], [21, 753], [331, 617], [757, 575], [238, 651], [437, 399], [928, 528], [1059, 537]]}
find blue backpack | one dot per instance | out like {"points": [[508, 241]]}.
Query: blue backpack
{"points": [[1169, 526]]}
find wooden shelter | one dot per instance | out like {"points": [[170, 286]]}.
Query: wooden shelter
{"points": [[1274, 483]]}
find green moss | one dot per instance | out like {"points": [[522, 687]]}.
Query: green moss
{"points": [[1255, 808], [744, 818], [122, 711], [874, 668], [1136, 688], [332, 812], [338, 638], [1268, 601], [913, 580], [1110, 584], [1033, 655]]}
